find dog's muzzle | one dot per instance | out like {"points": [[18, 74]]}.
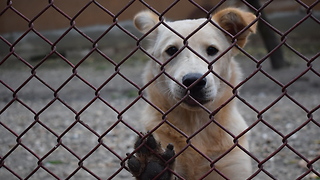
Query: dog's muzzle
{"points": [[195, 84]]}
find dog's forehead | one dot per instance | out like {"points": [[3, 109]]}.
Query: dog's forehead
{"points": [[188, 26]]}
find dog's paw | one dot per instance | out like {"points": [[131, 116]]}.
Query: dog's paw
{"points": [[150, 160]]}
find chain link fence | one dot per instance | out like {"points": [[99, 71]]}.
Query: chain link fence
{"points": [[75, 114]]}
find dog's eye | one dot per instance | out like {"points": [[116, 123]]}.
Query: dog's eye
{"points": [[171, 50], [211, 51]]}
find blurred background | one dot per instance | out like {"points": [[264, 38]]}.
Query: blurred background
{"points": [[93, 19]]}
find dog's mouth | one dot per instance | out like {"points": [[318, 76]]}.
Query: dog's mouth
{"points": [[194, 101]]}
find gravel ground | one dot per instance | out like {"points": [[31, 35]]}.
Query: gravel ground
{"points": [[285, 116]]}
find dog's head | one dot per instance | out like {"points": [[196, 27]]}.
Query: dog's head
{"points": [[185, 49]]}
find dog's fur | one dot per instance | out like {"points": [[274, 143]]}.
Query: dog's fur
{"points": [[188, 116]]}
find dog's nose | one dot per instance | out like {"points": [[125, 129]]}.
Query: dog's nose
{"points": [[190, 78]]}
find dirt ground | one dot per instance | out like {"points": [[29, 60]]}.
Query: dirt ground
{"points": [[260, 92]]}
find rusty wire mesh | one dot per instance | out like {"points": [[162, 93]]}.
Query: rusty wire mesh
{"points": [[75, 129]]}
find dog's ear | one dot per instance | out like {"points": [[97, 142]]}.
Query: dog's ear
{"points": [[233, 20], [145, 20]]}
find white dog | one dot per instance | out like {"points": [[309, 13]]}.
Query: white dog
{"points": [[202, 125]]}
